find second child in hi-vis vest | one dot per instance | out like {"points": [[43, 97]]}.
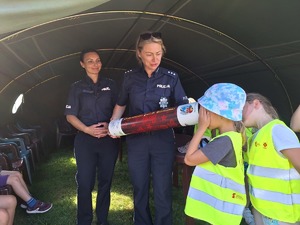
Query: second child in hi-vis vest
{"points": [[274, 165]]}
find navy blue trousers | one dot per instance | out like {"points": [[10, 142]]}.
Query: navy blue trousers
{"points": [[151, 155], [94, 157]]}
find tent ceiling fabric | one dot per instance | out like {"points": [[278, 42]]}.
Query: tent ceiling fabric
{"points": [[21, 14], [254, 44]]}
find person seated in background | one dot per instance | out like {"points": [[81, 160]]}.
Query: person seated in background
{"points": [[7, 209], [15, 179], [295, 120]]}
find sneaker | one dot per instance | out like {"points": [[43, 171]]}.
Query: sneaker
{"points": [[23, 206], [40, 207]]}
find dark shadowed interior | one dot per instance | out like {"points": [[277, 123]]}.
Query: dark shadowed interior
{"points": [[252, 43]]}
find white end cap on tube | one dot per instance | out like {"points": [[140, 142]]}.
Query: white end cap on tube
{"points": [[114, 127], [188, 114]]}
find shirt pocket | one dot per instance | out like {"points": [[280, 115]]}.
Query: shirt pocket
{"points": [[162, 97], [163, 92], [137, 94], [105, 98]]}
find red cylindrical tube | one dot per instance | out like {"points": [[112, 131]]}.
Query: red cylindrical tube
{"points": [[182, 115]]}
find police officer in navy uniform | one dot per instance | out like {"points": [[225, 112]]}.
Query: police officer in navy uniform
{"points": [[89, 108], [150, 154]]}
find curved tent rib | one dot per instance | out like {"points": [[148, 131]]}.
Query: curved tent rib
{"points": [[207, 42]]}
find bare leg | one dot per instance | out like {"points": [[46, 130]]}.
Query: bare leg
{"points": [[4, 217], [19, 175], [7, 209], [15, 179]]}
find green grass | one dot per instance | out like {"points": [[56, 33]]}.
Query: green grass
{"points": [[54, 181]]}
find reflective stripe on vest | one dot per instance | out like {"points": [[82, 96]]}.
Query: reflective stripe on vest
{"points": [[226, 207], [217, 193], [274, 182], [281, 174], [287, 199], [215, 178]]}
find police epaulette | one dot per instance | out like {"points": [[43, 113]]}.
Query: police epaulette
{"points": [[109, 79], [76, 82], [169, 72], [128, 71]]}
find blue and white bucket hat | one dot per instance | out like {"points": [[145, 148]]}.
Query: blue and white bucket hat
{"points": [[224, 99]]}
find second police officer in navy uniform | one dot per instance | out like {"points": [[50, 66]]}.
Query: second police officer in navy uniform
{"points": [[151, 154], [89, 109]]}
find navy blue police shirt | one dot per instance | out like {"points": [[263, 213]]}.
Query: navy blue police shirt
{"points": [[92, 102], [143, 94]]}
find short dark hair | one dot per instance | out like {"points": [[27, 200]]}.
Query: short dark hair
{"points": [[87, 50]]}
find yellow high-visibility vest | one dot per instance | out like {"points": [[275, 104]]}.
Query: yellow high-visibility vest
{"points": [[274, 184], [217, 193], [249, 134]]}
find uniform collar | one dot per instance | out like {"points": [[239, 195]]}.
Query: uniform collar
{"points": [[90, 81], [155, 72]]}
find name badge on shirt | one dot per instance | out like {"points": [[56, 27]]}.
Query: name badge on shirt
{"points": [[163, 102]]}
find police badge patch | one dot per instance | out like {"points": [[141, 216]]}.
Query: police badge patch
{"points": [[163, 102]]}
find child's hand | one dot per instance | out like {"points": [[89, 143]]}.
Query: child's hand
{"points": [[204, 118]]}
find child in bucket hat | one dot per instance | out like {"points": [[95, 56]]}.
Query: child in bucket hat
{"points": [[217, 192], [224, 99]]}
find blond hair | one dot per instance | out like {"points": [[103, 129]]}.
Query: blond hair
{"points": [[141, 43]]}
